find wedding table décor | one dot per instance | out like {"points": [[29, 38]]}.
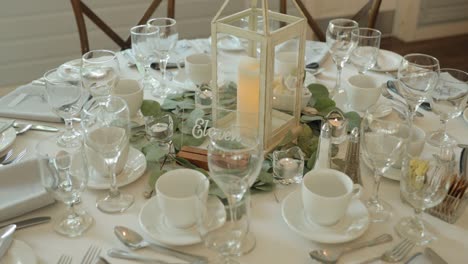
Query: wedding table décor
{"points": [[259, 70]]}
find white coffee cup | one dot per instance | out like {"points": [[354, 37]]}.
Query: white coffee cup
{"points": [[286, 63], [176, 192], [326, 194], [198, 68], [132, 92], [362, 92]]}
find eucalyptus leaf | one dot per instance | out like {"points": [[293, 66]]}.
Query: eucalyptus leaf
{"points": [[318, 90], [354, 120], [150, 108], [307, 119], [153, 152], [169, 104], [324, 103], [154, 176]]}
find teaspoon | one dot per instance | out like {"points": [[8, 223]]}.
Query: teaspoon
{"points": [[330, 256], [133, 240]]}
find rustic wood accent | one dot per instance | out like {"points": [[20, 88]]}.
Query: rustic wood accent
{"points": [[196, 156], [80, 8], [371, 9]]}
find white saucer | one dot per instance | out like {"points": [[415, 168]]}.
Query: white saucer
{"points": [[392, 173], [153, 222], [388, 61], [352, 226], [19, 253], [134, 169], [7, 138], [465, 114]]}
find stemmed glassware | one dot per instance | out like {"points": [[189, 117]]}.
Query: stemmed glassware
{"points": [[66, 98], [144, 44], [100, 72], [425, 181], [418, 75], [448, 100], [168, 36], [106, 124], [384, 137], [365, 55], [235, 156], [64, 173], [340, 43]]}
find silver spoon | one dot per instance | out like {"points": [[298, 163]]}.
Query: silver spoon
{"points": [[133, 240], [6, 237], [22, 128], [123, 254], [330, 256]]}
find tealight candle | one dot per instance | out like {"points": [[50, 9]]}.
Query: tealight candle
{"points": [[159, 130]]}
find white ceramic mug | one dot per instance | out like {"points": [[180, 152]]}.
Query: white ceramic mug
{"points": [[286, 63], [132, 92], [326, 194], [176, 192], [362, 92], [198, 68]]}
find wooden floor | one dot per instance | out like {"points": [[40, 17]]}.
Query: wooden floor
{"points": [[452, 52]]}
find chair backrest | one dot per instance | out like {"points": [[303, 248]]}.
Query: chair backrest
{"points": [[371, 9], [80, 8]]}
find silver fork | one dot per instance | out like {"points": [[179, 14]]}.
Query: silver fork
{"points": [[14, 160], [395, 254], [91, 254], [6, 156], [65, 259]]}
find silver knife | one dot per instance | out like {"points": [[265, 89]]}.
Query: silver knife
{"points": [[29, 222], [434, 257], [41, 128]]}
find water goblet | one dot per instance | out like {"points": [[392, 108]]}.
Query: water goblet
{"points": [[100, 72], [64, 173], [418, 75], [168, 36], [340, 43], [66, 98], [222, 226], [425, 181], [144, 44], [384, 137], [235, 157], [448, 100], [106, 125], [364, 56]]}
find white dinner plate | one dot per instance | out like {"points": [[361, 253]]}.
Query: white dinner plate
{"points": [[352, 226], [388, 61], [134, 169], [7, 138], [465, 114], [19, 253], [154, 224]]}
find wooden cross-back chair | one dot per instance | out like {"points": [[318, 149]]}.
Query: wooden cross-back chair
{"points": [[371, 9], [80, 8]]}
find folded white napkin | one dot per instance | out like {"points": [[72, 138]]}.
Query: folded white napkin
{"points": [[27, 102], [21, 190]]}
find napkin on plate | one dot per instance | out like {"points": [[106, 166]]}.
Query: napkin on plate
{"points": [[21, 190], [27, 102]]}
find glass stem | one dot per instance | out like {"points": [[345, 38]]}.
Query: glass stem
{"points": [[417, 219], [68, 127], [375, 194], [114, 191], [339, 68], [162, 68], [444, 128]]}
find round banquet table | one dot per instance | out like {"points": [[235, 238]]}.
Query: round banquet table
{"points": [[276, 242]]}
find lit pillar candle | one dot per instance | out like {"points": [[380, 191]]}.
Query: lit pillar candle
{"points": [[248, 92]]}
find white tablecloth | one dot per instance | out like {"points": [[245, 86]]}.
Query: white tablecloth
{"points": [[276, 243]]}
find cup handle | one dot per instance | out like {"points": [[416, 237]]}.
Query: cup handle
{"points": [[357, 190]]}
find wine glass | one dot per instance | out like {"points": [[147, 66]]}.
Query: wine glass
{"points": [[217, 229], [448, 100], [100, 72], [66, 98], [384, 136], [168, 36], [425, 181], [235, 157], [106, 125], [418, 75], [364, 56], [340, 43], [64, 173], [144, 44]]}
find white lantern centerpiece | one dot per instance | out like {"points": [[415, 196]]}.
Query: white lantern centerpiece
{"points": [[258, 71]]}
